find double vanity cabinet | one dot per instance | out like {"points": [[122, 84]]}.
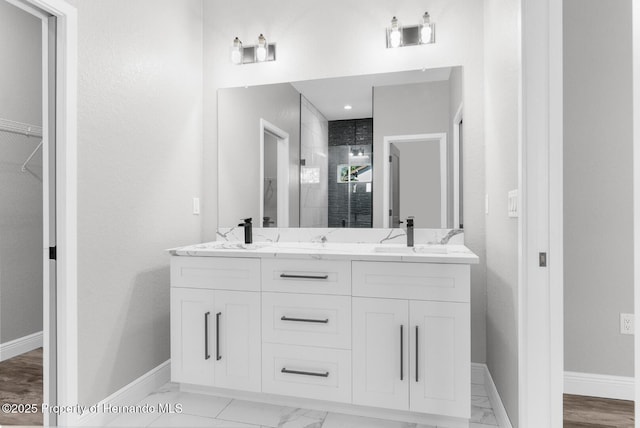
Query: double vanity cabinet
{"points": [[381, 330]]}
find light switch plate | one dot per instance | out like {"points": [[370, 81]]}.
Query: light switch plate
{"points": [[196, 206], [512, 203]]}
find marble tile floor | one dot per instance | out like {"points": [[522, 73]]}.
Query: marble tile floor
{"points": [[208, 411]]}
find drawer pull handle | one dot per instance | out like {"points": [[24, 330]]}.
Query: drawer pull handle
{"points": [[287, 275], [285, 318], [286, 370], [206, 336], [218, 356]]}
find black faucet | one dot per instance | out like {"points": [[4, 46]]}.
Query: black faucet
{"points": [[248, 234], [410, 231]]}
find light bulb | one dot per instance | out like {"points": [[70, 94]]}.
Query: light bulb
{"points": [[261, 50], [426, 32], [236, 51], [395, 37]]}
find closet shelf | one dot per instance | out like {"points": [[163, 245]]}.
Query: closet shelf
{"points": [[20, 128]]}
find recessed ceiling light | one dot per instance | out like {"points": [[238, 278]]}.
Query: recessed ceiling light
{"points": [[348, 107]]}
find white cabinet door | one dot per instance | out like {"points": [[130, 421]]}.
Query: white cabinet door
{"points": [[440, 354], [380, 353], [192, 323], [237, 347]]}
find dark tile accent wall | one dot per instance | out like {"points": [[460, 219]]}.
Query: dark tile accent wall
{"points": [[349, 208]]}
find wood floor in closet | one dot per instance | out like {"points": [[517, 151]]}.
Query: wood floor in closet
{"points": [[593, 412], [21, 383]]}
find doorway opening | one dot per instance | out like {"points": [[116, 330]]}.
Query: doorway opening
{"points": [[57, 249], [27, 221], [274, 176], [427, 199]]}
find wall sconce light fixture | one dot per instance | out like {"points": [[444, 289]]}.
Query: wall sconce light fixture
{"points": [[261, 52], [236, 51], [421, 34]]}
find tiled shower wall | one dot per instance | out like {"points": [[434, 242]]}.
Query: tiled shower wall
{"points": [[350, 204]]}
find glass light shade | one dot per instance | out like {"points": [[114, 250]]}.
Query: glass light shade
{"points": [[261, 50], [236, 51], [395, 36], [426, 31]]}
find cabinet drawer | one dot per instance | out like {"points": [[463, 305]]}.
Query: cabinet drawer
{"points": [[307, 276], [309, 372], [307, 319], [420, 281], [223, 273]]}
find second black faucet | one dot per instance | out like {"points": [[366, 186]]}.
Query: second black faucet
{"points": [[248, 226]]}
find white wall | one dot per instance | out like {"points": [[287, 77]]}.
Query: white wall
{"points": [[598, 177], [239, 134], [502, 71], [314, 149], [20, 192], [139, 166], [347, 37]]}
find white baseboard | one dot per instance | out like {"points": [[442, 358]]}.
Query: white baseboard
{"points": [[480, 374], [595, 385], [20, 346], [128, 395]]}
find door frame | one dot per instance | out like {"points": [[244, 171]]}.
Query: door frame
{"points": [[441, 139], [457, 120], [66, 333], [636, 189], [540, 229], [282, 175]]}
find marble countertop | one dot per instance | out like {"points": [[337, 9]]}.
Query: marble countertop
{"points": [[421, 253]]}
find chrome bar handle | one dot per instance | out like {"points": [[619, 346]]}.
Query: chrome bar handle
{"points": [[417, 353], [401, 352], [206, 336], [286, 318], [218, 356], [300, 372], [287, 275]]}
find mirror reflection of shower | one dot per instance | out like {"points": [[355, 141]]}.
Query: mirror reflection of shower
{"points": [[350, 177]]}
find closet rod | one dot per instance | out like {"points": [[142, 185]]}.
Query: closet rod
{"points": [[20, 128]]}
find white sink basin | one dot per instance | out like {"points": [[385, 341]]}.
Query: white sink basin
{"points": [[418, 249]]}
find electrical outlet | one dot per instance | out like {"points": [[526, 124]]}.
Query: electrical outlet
{"points": [[626, 324]]}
